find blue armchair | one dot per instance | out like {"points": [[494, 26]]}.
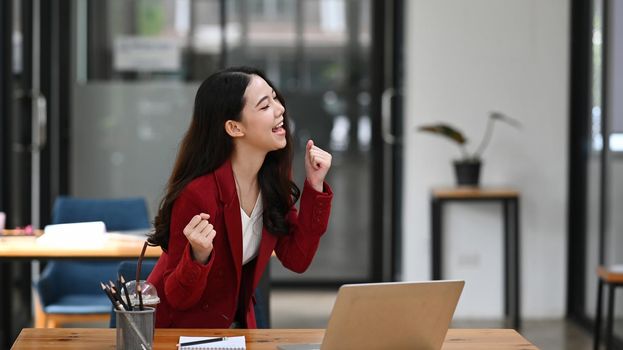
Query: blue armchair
{"points": [[69, 291]]}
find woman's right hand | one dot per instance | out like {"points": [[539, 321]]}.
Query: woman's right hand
{"points": [[200, 233]]}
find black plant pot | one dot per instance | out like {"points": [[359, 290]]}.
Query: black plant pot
{"points": [[467, 172]]}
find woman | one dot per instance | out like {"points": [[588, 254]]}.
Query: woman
{"points": [[230, 203]]}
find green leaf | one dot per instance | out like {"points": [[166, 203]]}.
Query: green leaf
{"points": [[445, 130], [503, 117]]}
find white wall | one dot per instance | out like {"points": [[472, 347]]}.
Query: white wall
{"points": [[463, 59]]}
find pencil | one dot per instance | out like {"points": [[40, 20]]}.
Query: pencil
{"points": [[114, 301], [140, 297], [204, 341], [138, 277], [117, 295], [125, 288]]}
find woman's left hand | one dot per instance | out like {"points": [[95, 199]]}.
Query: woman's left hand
{"points": [[317, 164]]}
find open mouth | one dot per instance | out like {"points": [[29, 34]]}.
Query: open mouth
{"points": [[278, 128]]}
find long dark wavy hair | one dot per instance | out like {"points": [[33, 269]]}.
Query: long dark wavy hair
{"points": [[206, 146]]}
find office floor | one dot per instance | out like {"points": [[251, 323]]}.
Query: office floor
{"points": [[311, 309]]}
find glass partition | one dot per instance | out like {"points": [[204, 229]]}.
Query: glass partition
{"points": [[144, 59], [605, 164]]}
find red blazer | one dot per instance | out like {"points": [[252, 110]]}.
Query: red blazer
{"points": [[193, 295]]}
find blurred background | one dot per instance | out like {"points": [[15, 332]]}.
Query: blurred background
{"points": [[96, 95]]}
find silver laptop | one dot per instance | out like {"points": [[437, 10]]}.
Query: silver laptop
{"points": [[400, 315]]}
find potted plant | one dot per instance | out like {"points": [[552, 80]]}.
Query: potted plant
{"points": [[467, 168]]}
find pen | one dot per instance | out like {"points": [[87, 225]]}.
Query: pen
{"points": [[205, 341]]}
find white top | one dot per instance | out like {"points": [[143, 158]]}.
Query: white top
{"points": [[251, 230]]}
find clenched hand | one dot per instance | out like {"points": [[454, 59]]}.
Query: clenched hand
{"points": [[200, 233]]}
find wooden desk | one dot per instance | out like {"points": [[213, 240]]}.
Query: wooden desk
{"points": [[509, 199], [257, 339], [25, 248]]}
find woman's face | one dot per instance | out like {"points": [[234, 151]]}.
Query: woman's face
{"points": [[262, 117]]}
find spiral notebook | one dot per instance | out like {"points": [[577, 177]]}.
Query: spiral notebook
{"points": [[229, 343]]}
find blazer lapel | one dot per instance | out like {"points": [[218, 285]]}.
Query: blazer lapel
{"points": [[233, 222]]}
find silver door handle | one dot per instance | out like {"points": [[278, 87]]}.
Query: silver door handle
{"points": [[386, 116], [39, 121], [39, 108]]}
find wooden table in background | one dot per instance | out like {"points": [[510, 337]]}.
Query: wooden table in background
{"points": [[509, 198], [26, 248], [115, 247], [257, 339]]}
